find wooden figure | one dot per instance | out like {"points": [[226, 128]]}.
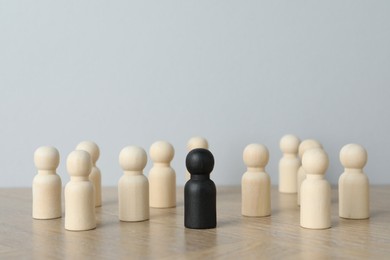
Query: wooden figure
{"points": [[200, 194], [47, 186], [133, 186], [303, 147], [79, 193], [196, 142], [256, 183], [353, 183], [289, 164], [315, 191], [162, 177], [95, 175]]}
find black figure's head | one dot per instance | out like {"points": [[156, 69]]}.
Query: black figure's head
{"points": [[200, 162]]}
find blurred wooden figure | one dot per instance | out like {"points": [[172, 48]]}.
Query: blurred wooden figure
{"points": [[193, 143], [353, 183], [303, 147], [289, 164], [133, 186], [95, 175], [256, 183], [47, 186], [79, 193], [162, 177], [315, 191]]}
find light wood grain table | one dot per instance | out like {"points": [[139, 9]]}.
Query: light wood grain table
{"points": [[164, 236]]}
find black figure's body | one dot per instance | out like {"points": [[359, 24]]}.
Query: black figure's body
{"points": [[200, 195]]}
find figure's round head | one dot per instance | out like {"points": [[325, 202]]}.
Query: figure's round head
{"points": [[197, 142], [79, 163], [132, 158], [289, 144], [353, 156], [161, 152], [255, 155], [46, 158], [90, 147], [315, 161], [307, 145], [200, 161]]}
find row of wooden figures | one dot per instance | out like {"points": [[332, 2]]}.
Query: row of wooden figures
{"points": [[136, 192], [301, 170]]}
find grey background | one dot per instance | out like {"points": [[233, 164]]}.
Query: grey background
{"points": [[236, 72]]}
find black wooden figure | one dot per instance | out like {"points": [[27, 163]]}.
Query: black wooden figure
{"points": [[200, 194]]}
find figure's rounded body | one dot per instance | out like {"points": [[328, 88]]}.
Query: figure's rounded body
{"points": [[47, 196], [133, 192], [79, 206], [315, 203], [162, 187], [301, 176], [288, 170], [354, 196], [256, 199], [200, 196], [96, 178]]}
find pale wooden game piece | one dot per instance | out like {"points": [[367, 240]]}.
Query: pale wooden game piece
{"points": [[353, 183], [193, 143], [95, 175], [47, 187], [79, 193], [162, 177], [315, 191], [133, 186], [289, 164], [256, 183], [303, 147]]}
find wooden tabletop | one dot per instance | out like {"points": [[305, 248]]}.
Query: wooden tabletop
{"points": [[164, 236]]}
